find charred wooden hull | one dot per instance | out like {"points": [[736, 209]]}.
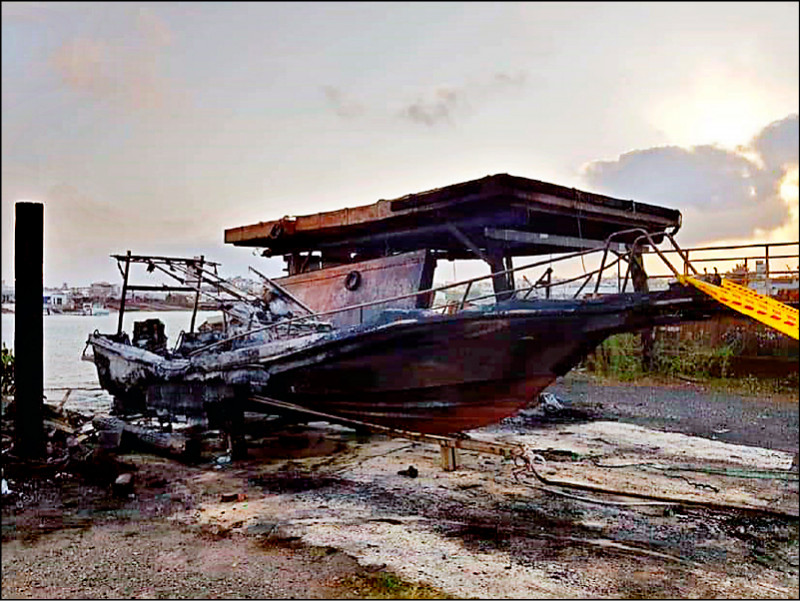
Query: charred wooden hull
{"points": [[434, 376], [412, 369]]}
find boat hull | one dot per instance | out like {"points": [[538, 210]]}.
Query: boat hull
{"points": [[435, 377], [414, 371]]}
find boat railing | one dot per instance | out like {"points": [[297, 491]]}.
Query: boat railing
{"points": [[632, 248], [587, 276]]}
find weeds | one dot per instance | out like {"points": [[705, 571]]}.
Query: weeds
{"points": [[620, 358], [8, 381], [692, 358], [384, 585], [753, 386]]}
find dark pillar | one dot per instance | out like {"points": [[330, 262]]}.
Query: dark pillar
{"points": [[501, 283], [639, 279], [197, 294], [29, 329], [123, 294]]}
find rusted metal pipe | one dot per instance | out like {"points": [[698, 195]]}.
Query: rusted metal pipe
{"points": [[197, 294], [283, 291], [124, 291]]}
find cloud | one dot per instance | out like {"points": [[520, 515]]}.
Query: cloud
{"points": [[85, 66], [722, 193], [153, 27], [440, 104], [516, 80], [444, 103], [122, 72], [343, 105], [434, 109], [777, 144], [23, 11]]}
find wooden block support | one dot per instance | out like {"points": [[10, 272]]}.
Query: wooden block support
{"points": [[29, 329], [639, 279], [450, 459]]}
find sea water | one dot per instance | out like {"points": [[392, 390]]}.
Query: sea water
{"points": [[65, 340]]}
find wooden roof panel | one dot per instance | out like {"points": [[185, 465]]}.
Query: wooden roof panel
{"points": [[487, 201]]}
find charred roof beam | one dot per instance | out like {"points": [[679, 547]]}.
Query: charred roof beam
{"points": [[568, 242], [465, 240]]}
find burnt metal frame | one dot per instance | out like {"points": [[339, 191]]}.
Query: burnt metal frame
{"points": [[644, 236], [283, 291], [189, 268]]}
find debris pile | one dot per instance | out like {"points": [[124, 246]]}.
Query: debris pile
{"points": [[70, 436]]}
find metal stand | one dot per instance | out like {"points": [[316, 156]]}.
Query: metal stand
{"points": [[450, 458], [449, 445]]}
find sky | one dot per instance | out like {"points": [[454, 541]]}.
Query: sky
{"points": [[155, 126]]}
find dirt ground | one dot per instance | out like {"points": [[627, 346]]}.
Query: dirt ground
{"points": [[323, 512], [695, 408]]}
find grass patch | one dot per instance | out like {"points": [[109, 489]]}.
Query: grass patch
{"points": [[385, 585], [619, 358], [755, 386], [749, 386]]}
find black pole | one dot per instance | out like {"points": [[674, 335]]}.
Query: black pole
{"points": [[197, 295], [29, 329], [124, 293]]}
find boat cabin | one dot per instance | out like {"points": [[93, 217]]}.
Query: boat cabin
{"points": [[389, 248]]}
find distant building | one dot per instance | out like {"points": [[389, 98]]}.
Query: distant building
{"points": [[57, 300], [103, 290]]}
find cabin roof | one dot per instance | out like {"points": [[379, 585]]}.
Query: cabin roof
{"points": [[523, 216]]}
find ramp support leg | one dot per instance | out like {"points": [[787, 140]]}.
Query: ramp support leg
{"points": [[450, 458]]}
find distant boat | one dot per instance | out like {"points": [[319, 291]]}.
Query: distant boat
{"points": [[94, 309]]}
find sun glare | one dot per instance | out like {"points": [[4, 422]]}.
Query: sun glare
{"points": [[789, 187], [716, 108]]}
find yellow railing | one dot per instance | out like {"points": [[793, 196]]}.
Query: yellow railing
{"points": [[762, 308]]}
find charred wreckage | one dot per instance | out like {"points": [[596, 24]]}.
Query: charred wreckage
{"points": [[353, 332]]}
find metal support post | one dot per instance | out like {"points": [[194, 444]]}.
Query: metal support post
{"points": [[639, 279], [197, 294], [124, 293], [29, 329], [450, 458]]}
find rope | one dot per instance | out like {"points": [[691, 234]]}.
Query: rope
{"points": [[728, 472], [529, 459]]}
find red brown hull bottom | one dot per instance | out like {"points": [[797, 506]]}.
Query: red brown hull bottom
{"points": [[434, 410]]}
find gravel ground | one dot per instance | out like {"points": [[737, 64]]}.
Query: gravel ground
{"points": [[769, 421], [327, 518], [160, 559]]}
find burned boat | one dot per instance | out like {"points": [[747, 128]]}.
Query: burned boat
{"points": [[417, 369], [400, 360]]}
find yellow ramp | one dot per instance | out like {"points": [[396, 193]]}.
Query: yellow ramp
{"points": [[766, 310]]}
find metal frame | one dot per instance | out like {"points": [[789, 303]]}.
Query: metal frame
{"points": [[767, 256], [644, 236], [644, 243]]}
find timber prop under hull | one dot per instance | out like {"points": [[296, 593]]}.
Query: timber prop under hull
{"points": [[415, 371]]}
